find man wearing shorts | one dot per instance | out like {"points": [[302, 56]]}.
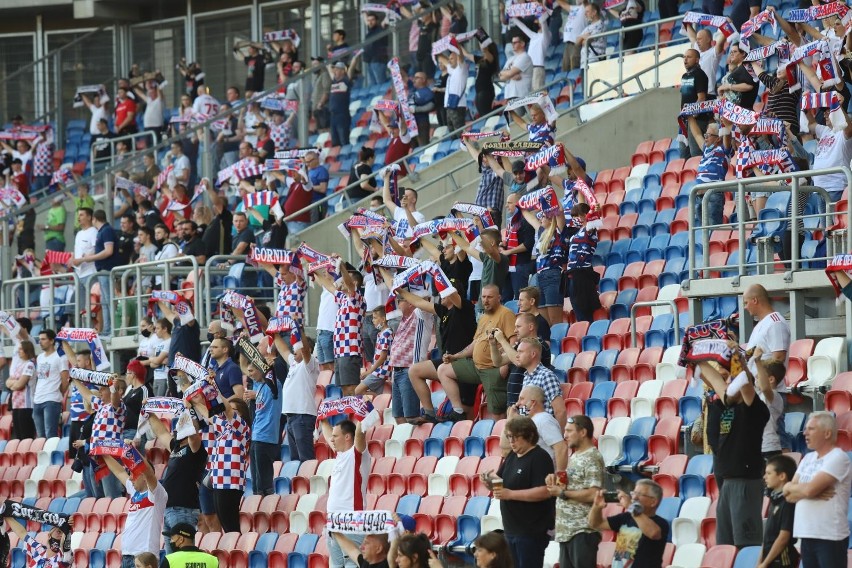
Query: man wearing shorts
{"points": [[347, 327], [474, 364], [374, 376]]}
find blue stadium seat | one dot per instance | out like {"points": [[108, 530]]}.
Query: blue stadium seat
{"points": [[635, 444], [474, 445], [631, 202], [693, 482], [596, 404], [557, 332], [285, 453], [512, 305], [609, 283], [601, 253], [305, 545], [600, 371], [663, 222], [657, 247], [642, 228], [97, 557], [660, 327], [562, 363], [468, 523], [408, 504], [747, 557], [621, 307], [668, 509], [648, 203], [434, 444], [618, 252], [594, 336], [689, 409], [638, 246], [672, 272], [678, 243]]}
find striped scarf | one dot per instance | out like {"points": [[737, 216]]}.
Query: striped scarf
{"points": [[260, 198], [829, 100], [402, 97], [722, 23], [753, 25], [163, 177], [840, 263]]}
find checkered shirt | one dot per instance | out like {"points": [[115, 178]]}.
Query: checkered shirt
{"points": [[291, 300], [547, 381], [76, 406], [207, 433], [280, 134], [43, 160], [383, 343], [229, 460], [109, 422], [490, 191], [541, 133], [347, 324], [37, 555]]}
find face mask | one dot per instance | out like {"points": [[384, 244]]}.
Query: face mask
{"points": [[209, 336], [523, 410], [146, 333], [374, 209], [54, 544]]}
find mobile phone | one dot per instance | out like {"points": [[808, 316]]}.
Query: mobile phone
{"points": [[562, 477], [610, 496]]}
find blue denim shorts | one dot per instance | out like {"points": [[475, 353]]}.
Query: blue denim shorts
{"points": [[325, 347], [205, 498], [549, 283]]}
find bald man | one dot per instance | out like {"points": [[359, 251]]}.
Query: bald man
{"points": [[772, 332], [694, 86], [709, 55]]}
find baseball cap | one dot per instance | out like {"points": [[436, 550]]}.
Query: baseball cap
{"points": [[340, 65], [407, 523], [185, 530]]}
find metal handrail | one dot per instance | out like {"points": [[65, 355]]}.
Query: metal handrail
{"points": [[738, 187], [454, 134], [654, 303], [52, 281], [619, 53], [113, 141]]}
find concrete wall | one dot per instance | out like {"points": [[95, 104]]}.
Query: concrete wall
{"points": [[607, 141]]}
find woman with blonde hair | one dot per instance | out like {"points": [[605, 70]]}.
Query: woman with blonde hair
{"points": [[552, 247]]}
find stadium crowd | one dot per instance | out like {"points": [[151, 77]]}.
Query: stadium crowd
{"points": [[426, 305]]}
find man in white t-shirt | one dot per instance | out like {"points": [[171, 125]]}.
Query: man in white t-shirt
{"points": [[820, 490], [205, 104], [298, 403], [406, 213], [325, 330], [574, 22], [834, 149], [550, 437], [146, 512], [98, 112], [772, 332], [51, 385], [455, 101], [539, 43], [347, 485], [180, 161], [518, 70], [709, 55], [84, 246]]}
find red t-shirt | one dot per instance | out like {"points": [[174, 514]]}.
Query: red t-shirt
{"points": [[398, 148], [22, 183], [122, 109], [297, 200]]}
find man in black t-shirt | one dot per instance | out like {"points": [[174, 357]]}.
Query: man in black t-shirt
{"points": [[193, 245], [185, 469], [125, 252], [737, 86], [102, 146], [641, 533], [456, 328], [255, 69], [693, 88]]}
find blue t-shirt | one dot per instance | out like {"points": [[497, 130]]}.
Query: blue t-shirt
{"points": [[317, 176], [227, 377], [267, 415], [338, 97], [76, 406], [106, 234], [713, 165]]}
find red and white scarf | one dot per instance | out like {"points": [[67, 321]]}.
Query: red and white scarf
{"points": [[829, 100], [753, 25], [692, 109], [553, 156], [541, 99], [352, 406], [163, 177], [478, 211], [402, 97], [259, 198], [526, 10], [840, 263], [722, 23], [283, 35]]}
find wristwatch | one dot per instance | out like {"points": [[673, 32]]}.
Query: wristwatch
{"points": [[562, 494]]}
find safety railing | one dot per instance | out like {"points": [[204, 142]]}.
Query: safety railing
{"points": [[653, 304], [113, 143], [455, 134], [619, 53], [53, 303], [742, 225], [133, 293]]}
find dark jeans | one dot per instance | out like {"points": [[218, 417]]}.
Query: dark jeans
{"points": [[226, 502], [817, 553], [263, 455], [46, 418], [300, 436], [581, 551], [340, 129], [527, 551], [22, 423], [369, 333], [483, 100]]}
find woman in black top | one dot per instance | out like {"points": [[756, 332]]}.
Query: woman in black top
{"points": [[526, 506], [364, 167], [136, 395], [429, 31], [487, 65]]}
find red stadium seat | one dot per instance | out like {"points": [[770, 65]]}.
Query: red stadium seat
{"points": [[666, 433], [708, 533], [670, 470], [571, 341], [614, 337], [627, 359], [629, 279], [460, 481], [454, 443], [642, 155], [395, 482], [619, 403], [797, 369], [579, 371], [646, 366], [580, 393], [248, 508], [382, 467], [261, 519], [647, 293], [417, 481], [445, 522], [651, 273], [681, 220], [624, 229], [429, 508], [377, 438], [666, 403], [414, 444]]}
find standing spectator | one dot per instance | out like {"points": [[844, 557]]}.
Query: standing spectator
{"points": [[458, 21], [51, 386], [104, 259], [347, 488], [159, 355], [255, 61], [712, 167], [22, 383], [407, 208], [735, 424], [531, 402], [552, 245], [742, 10], [770, 373], [422, 100], [778, 543], [495, 264], [375, 55], [299, 196], [362, 170], [84, 248], [538, 45], [820, 489], [693, 88], [834, 149], [594, 49], [102, 146], [525, 502], [772, 332], [528, 304], [298, 403], [193, 245], [378, 370], [81, 427], [347, 328], [474, 364], [182, 167], [338, 45], [780, 102], [518, 246], [737, 85], [490, 192], [137, 393], [181, 540], [229, 377], [400, 142], [410, 345], [144, 525], [152, 120], [518, 70], [487, 67], [338, 103], [317, 175], [455, 99], [429, 34], [228, 459], [265, 446], [709, 54], [439, 90], [320, 93], [630, 15], [39, 555], [574, 22], [125, 114], [640, 520], [128, 231], [54, 226], [98, 112], [578, 540], [184, 472], [325, 330]]}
